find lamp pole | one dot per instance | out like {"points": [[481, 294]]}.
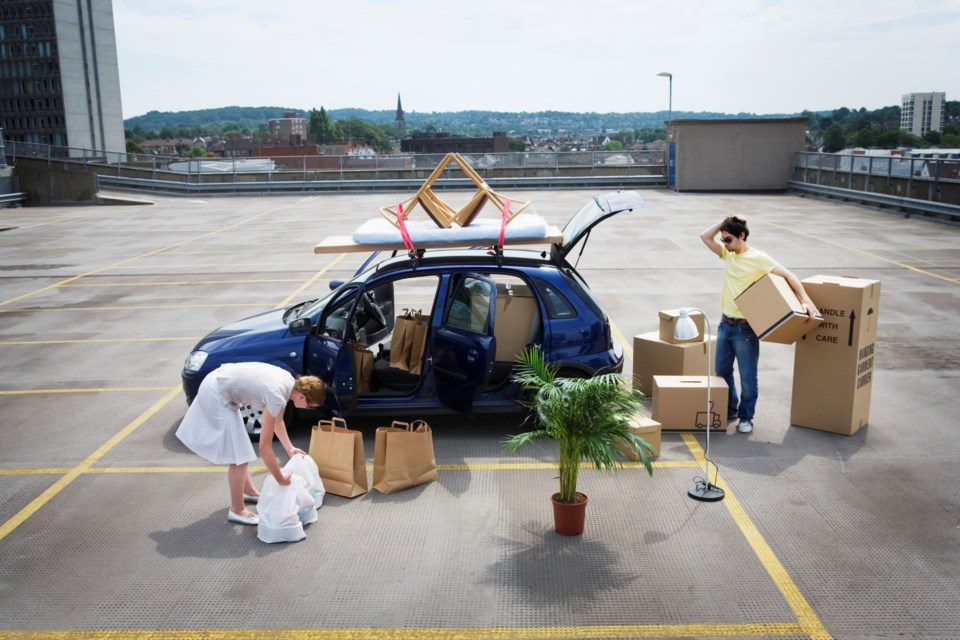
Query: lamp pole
{"points": [[669, 76], [702, 489]]}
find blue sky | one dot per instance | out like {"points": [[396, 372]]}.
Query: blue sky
{"points": [[750, 56]]}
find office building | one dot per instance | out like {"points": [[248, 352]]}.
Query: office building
{"points": [[59, 79], [921, 113], [290, 129]]}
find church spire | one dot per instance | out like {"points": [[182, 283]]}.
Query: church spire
{"points": [[399, 124]]}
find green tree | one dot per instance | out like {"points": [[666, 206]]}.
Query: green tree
{"points": [[133, 147], [933, 137], [835, 139], [320, 127], [516, 144], [612, 145], [865, 138]]}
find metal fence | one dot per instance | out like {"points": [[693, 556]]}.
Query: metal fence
{"points": [[345, 165]]}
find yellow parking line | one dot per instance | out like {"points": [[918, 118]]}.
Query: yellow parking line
{"points": [[178, 283], [100, 340], [869, 254], [306, 284], [84, 466], [808, 620], [144, 307], [125, 261], [28, 392], [425, 633]]}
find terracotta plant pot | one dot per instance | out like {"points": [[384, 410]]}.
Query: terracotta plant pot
{"points": [[569, 518]]}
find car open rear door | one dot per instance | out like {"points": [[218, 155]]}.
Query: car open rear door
{"points": [[464, 347], [590, 215]]}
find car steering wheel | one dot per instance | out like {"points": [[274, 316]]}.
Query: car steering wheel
{"points": [[372, 309]]}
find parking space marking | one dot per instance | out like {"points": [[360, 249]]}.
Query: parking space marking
{"points": [[426, 633], [76, 472], [100, 340], [309, 282], [125, 261], [27, 392], [806, 617], [179, 283], [863, 252], [145, 307]]}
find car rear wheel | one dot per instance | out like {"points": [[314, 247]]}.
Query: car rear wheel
{"points": [[251, 420]]}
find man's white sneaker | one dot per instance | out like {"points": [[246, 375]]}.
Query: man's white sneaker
{"points": [[745, 426]]}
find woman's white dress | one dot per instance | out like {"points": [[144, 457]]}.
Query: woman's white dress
{"points": [[213, 428]]}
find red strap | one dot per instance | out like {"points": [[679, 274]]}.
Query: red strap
{"points": [[503, 219], [404, 234]]}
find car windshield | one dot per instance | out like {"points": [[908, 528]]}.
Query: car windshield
{"points": [[312, 307]]}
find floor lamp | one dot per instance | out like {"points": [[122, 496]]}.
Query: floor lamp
{"points": [[686, 328]]}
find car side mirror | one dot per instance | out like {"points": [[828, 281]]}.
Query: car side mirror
{"points": [[335, 284], [300, 327]]}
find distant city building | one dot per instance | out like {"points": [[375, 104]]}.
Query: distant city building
{"points": [[399, 124], [921, 113], [291, 128], [59, 80], [446, 143]]}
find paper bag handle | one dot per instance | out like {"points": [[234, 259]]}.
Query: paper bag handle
{"points": [[330, 425], [420, 426], [397, 424]]}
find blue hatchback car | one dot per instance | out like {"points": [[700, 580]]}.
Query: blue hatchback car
{"points": [[477, 310]]}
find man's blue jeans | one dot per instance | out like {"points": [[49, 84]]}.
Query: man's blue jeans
{"points": [[739, 342]]}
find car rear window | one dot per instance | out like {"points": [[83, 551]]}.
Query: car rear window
{"points": [[558, 306]]}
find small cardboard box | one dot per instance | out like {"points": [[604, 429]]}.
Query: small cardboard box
{"points": [[513, 322], [833, 365], [649, 430], [668, 324], [652, 356], [774, 311], [680, 402]]}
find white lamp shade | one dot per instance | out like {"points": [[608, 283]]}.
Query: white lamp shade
{"points": [[685, 328]]}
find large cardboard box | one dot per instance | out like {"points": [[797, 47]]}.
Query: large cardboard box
{"points": [[774, 311], [680, 402], [833, 365], [513, 323], [668, 323], [649, 430], [652, 356]]}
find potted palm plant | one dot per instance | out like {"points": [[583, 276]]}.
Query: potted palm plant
{"points": [[588, 417]]}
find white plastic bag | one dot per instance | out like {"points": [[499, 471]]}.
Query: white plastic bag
{"points": [[279, 510], [304, 467]]}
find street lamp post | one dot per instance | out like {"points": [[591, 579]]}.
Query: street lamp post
{"points": [[664, 74]]}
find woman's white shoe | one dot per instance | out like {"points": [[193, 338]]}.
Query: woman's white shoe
{"points": [[239, 519]]}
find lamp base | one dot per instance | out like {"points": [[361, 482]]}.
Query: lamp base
{"points": [[705, 492]]}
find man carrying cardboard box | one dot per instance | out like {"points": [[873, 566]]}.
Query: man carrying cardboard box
{"points": [[742, 266]]}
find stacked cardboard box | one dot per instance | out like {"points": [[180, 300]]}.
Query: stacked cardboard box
{"points": [[680, 402], [774, 311], [833, 367], [653, 356], [514, 320], [649, 430]]}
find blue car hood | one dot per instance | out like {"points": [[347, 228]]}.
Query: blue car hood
{"points": [[260, 327]]}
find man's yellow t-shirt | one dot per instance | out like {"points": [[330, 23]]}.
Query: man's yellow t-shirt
{"points": [[740, 270]]}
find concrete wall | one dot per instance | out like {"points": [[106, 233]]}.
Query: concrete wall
{"points": [[61, 183], [736, 155]]}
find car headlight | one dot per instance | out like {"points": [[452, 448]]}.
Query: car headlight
{"points": [[194, 361]]}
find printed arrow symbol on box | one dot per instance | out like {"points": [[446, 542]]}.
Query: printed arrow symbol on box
{"points": [[853, 316]]}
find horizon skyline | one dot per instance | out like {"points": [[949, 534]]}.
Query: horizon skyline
{"points": [[755, 57]]}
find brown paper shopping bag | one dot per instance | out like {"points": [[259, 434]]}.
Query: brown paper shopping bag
{"points": [[338, 452], [418, 342], [362, 365], [403, 456], [402, 340]]}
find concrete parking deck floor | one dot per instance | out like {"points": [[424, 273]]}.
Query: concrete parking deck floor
{"points": [[110, 528]]}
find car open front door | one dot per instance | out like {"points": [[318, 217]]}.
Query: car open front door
{"points": [[464, 346]]}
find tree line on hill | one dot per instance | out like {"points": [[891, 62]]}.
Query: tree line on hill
{"points": [[829, 130]]}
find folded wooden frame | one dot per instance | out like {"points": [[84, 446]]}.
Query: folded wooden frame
{"points": [[441, 212]]}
